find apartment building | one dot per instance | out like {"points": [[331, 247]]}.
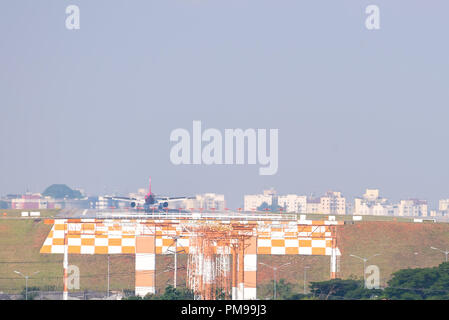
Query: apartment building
{"points": [[254, 201], [413, 208], [443, 205], [372, 204], [333, 203], [32, 201], [206, 201], [293, 203]]}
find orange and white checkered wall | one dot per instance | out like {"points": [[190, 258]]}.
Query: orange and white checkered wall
{"points": [[92, 236], [119, 237]]}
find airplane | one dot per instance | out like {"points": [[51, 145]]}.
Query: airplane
{"points": [[150, 203]]}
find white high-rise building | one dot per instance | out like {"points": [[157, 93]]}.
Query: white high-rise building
{"points": [[293, 203], [372, 204], [330, 203], [413, 208], [443, 205], [211, 201], [313, 205], [206, 201], [333, 203], [372, 195], [254, 201], [434, 213]]}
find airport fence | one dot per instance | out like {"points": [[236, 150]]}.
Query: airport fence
{"points": [[58, 295]]}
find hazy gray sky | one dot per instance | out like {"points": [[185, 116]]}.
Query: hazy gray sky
{"points": [[94, 108]]}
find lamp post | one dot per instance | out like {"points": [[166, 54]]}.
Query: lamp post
{"points": [[108, 275], [445, 252], [175, 281], [364, 265], [26, 282], [175, 253], [305, 277], [416, 262], [274, 275]]}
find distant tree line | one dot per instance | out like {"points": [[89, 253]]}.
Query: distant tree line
{"points": [[61, 191], [405, 284], [273, 207], [170, 293], [420, 284]]}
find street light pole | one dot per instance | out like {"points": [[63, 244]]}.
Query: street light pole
{"points": [[26, 282], [446, 252], [274, 275], [364, 265], [108, 275], [416, 263], [176, 264], [364, 273], [305, 277]]}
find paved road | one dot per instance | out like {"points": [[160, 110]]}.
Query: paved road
{"points": [[77, 213]]}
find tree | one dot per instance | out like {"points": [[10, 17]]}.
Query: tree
{"points": [[419, 284], [30, 294], [170, 293], [284, 290], [338, 289], [265, 207], [3, 205], [61, 191]]}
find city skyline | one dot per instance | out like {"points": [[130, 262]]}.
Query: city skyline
{"points": [[372, 202]]}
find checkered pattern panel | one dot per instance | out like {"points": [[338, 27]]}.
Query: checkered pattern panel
{"points": [[95, 236]]}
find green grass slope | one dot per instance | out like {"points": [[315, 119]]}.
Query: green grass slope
{"points": [[401, 244]]}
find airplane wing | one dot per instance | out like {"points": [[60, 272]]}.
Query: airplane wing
{"points": [[168, 199], [121, 198]]}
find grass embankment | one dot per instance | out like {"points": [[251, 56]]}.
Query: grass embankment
{"points": [[21, 240], [402, 245]]}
